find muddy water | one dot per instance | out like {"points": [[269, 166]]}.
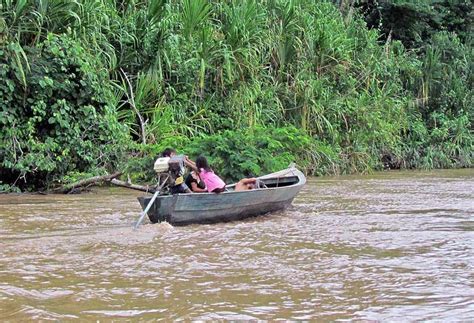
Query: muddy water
{"points": [[389, 246]]}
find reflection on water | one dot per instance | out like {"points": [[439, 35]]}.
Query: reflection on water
{"points": [[388, 246]]}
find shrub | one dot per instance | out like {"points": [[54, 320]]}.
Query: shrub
{"points": [[253, 152], [56, 119]]}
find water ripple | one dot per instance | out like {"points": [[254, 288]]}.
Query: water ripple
{"points": [[389, 246]]}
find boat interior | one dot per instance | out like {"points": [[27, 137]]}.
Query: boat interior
{"points": [[272, 182], [280, 181]]}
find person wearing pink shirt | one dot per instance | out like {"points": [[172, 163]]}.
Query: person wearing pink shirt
{"points": [[213, 182]]}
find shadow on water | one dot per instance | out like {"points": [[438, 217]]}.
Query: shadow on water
{"points": [[388, 246]]}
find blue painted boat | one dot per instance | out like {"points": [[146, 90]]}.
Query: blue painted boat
{"points": [[276, 192]]}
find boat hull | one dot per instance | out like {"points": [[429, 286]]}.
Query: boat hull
{"points": [[184, 209]]}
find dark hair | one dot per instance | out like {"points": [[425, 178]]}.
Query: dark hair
{"points": [[167, 152], [201, 162]]}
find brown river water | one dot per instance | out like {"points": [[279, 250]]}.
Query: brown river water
{"points": [[387, 246]]}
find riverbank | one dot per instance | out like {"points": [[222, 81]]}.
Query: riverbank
{"points": [[335, 87]]}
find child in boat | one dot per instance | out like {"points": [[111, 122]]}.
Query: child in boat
{"points": [[194, 182], [213, 182]]}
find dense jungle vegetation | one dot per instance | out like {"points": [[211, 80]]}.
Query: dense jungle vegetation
{"points": [[347, 86]]}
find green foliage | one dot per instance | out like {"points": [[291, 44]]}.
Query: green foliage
{"points": [[59, 121], [253, 152], [243, 153], [233, 80], [195, 12], [7, 188], [441, 121], [414, 22]]}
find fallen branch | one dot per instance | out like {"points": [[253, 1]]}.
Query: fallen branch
{"points": [[150, 189], [86, 182]]}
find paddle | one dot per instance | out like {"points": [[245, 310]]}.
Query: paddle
{"points": [[142, 215]]}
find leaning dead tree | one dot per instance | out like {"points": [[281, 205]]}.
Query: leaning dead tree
{"points": [[97, 180], [150, 189], [79, 185]]}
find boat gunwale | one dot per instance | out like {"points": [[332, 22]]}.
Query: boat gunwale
{"points": [[301, 181]]}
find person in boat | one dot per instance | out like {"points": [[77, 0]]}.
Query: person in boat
{"points": [[214, 184], [246, 184], [194, 182], [168, 152], [176, 181]]}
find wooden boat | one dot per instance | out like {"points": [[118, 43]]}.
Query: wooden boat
{"points": [[278, 192]]}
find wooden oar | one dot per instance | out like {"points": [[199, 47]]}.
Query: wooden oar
{"points": [[150, 204]]}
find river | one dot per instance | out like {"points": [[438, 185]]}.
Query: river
{"points": [[386, 246]]}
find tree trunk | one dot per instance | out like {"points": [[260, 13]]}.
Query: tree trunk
{"points": [[150, 189], [86, 182]]}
